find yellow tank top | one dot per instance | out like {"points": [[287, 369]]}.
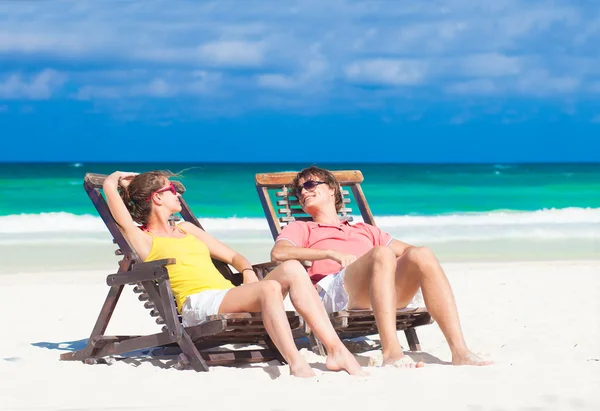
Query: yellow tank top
{"points": [[193, 271]]}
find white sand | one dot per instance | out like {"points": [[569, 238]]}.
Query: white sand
{"points": [[540, 322]]}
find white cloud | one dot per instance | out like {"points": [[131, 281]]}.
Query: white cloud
{"points": [[233, 52], [306, 47], [172, 84], [542, 83], [535, 84], [220, 53], [311, 74], [40, 86], [473, 87], [461, 118], [490, 65], [393, 72], [278, 81], [594, 87]]}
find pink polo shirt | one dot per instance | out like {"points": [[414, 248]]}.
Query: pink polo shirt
{"points": [[356, 239]]}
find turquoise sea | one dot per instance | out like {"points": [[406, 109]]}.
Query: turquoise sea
{"points": [[227, 190], [466, 212]]}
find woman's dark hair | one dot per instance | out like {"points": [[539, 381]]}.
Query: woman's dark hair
{"points": [[139, 189], [321, 175]]}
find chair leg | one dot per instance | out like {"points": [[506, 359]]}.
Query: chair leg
{"points": [[413, 340], [191, 352], [316, 343], [273, 348], [102, 321]]}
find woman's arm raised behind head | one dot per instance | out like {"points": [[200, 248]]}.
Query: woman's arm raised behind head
{"points": [[115, 203], [140, 241]]}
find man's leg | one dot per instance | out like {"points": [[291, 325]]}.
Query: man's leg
{"points": [[419, 267], [370, 283], [293, 278]]}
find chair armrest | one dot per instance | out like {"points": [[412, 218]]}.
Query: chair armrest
{"points": [[148, 271], [263, 269]]}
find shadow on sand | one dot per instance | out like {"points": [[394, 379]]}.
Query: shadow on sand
{"points": [[160, 357]]}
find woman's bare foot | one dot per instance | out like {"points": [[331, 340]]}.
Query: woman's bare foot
{"points": [[401, 361], [301, 369], [469, 358], [339, 358]]}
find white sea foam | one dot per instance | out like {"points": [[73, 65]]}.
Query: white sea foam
{"points": [[578, 223], [50, 223], [572, 215]]}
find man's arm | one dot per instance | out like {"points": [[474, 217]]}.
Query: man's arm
{"points": [[284, 250]]}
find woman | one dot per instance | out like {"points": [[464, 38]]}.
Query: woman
{"points": [[200, 290]]}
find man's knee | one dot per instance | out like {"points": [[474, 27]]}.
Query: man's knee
{"points": [[383, 260], [420, 256], [271, 289], [292, 266], [383, 255], [293, 271]]}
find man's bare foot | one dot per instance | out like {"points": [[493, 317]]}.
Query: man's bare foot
{"points": [[401, 361], [339, 358], [470, 359], [301, 370]]}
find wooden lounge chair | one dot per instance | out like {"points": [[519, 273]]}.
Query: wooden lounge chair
{"points": [[151, 282], [281, 208]]}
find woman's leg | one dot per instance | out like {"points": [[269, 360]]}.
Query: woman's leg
{"points": [[265, 296], [293, 278]]}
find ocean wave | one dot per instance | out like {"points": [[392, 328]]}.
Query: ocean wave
{"points": [[51, 223], [571, 215], [503, 224]]}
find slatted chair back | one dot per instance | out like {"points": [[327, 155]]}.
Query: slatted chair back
{"points": [[282, 207]]}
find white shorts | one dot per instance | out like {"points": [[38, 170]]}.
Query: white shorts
{"points": [[335, 298], [199, 306], [332, 292]]}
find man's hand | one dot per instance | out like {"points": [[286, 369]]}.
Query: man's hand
{"points": [[344, 259]]}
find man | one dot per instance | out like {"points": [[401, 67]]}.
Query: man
{"points": [[361, 267]]}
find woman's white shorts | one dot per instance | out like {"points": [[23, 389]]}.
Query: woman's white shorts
{"points": [[199, 306]]}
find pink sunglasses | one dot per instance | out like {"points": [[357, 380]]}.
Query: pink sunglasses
{"points": [[170, 188]]}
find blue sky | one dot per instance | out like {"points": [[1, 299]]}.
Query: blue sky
{"points": [[302, 81]]}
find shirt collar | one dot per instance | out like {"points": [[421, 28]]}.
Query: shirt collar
{"points": [[342, 223]]}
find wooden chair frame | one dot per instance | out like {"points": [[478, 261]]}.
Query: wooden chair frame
{"points": [[151, 280], [284, 208]]}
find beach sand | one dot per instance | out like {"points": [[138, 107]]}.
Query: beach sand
{"points": [[539, 322]]}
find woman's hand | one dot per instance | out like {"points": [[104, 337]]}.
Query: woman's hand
{"points": [[126, 178], [249, 276], [344, 259], [119, 178]]}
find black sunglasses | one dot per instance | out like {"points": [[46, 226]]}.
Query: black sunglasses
{"points": [[307, 185]]}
